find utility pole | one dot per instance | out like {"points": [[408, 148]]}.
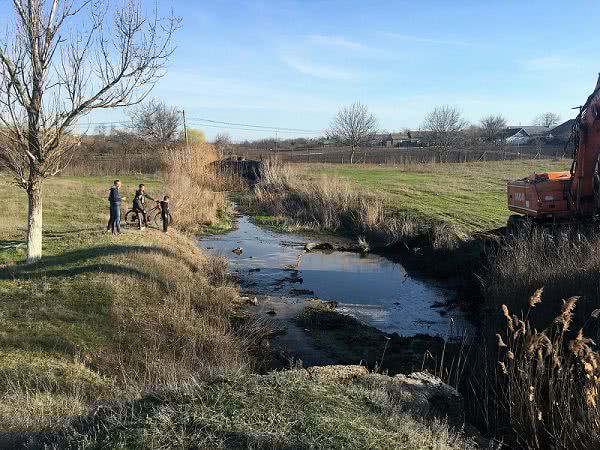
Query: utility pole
{"points": [[185, 129]]}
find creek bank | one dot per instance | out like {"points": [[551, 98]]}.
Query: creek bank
{"points": [[322, 407], [347, 340]]}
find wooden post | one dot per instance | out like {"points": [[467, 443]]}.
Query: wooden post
{"points": [[185, 129]]}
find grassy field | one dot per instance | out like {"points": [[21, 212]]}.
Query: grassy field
{"points": [[74, 208], [101, 316], [471, 196]]}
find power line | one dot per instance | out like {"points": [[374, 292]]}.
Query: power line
{"points": [[225, 127], [220, 125], [255, 126], [99, 123]]}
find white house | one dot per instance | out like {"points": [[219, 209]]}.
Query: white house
{"points": [[526, 134]]}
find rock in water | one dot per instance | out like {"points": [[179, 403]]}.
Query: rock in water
{"points": [[237, 250], [310, 246]]}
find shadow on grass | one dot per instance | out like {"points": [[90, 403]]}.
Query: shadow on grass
{"points": [[10, 244], [109, 269], [77, 262]]}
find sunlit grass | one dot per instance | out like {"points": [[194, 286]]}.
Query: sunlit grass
{"points": [[471, 196]]}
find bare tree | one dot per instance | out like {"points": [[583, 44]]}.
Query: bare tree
{"points": [[223, 143], [353, 126], [156, 123], [445, 124], [548, 119], [64, 59], [492, 127]]}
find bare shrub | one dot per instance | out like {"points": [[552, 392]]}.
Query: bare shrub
{"points": [[445, 124], [547, 119], [155, 123], [353, 126]]}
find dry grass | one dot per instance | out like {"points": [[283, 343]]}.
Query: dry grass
{"points": [[566, 261], [191, 183], [282, 410], [333, 204]]}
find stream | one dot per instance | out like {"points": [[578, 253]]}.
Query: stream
{"points": [[275, 268]]}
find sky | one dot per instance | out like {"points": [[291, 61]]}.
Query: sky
{"points": [[293, 64]]}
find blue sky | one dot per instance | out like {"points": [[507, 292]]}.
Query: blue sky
{"points": [[294, 63]]}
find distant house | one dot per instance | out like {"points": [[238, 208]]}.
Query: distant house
{"points": [[381, 140], [560, 134], [527, 134], [408, 138]]}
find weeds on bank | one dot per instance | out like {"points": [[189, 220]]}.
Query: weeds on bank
{"points": [[546, 383], [194, 186], [331, 204], [566, 261]]}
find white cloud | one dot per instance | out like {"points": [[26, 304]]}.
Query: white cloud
{"points": [[218, 92], [433, 41], [319, 70], [552, 62], [340, 42]]}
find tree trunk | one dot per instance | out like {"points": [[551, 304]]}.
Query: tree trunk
{"points": [[34, 222], [352, 155]]}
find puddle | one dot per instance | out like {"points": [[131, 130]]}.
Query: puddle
{"points": [[371, 288]]}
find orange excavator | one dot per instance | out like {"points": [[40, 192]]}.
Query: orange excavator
{"points": [[573, 194]]}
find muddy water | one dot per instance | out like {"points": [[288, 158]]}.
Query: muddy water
{"points": [[376, 290]]}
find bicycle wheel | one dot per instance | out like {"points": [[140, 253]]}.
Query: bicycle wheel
{"points": [[159, 221], [131, 218]]}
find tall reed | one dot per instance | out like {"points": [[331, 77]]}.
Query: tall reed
{"points": [[545, 391]]}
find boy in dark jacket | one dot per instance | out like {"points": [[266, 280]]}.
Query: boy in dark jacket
{"points": [[139, 205], [114, 200]]}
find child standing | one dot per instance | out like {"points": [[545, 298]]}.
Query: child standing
{"points": [[165, 212]]}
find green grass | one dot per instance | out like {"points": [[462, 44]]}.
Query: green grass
{"points": [[103, 318], [282, 410], [73, 208], [68, 323], [471, 196]]}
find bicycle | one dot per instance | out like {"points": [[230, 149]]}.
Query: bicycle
{"points": [[154, 215]]}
